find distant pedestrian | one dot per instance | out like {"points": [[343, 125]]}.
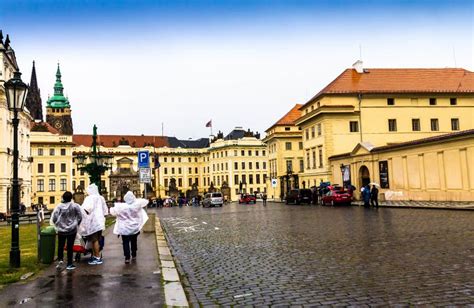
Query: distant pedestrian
{"points": [[374, 196], [131, 217], [366, 195], [66, 218], [264, 198], [96, 209]]}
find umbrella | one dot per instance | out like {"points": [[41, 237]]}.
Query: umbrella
{"points": [[375, 184]]}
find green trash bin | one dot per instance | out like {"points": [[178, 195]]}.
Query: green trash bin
{"points": [[47, 244]]}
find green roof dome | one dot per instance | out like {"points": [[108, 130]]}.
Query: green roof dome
{"points": [[58, 100]]}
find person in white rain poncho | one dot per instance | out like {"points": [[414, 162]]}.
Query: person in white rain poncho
{"points": [[131, 217], [96, 209]]}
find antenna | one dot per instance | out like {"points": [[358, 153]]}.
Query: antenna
{"points": [[162, 129], [360, 51], [454, 57]]}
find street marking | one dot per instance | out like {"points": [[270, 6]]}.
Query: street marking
{"points": [[204, 222], [189, 229], [215, 228]]}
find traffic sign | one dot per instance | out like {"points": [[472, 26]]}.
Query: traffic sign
{"points": [[274, 183], [143, 159], [145, 175]]}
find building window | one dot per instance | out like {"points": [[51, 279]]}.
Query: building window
{"points": [[243, 165], [190, 182], [320, 150], [189, 159], [415, 125], [288, 146], [301, 165], [82, 183], [392, 125], [236, 179], [190, 170], [250, 178], [236, 165], [180, 182], [51, 168], [432, 101], [63, 152], [300, 145], [434, 125], [319, 129], [73, 172], [250, 152], [196, 170], [289, 166], [257, 165], [63, 168], [353, 126], [51, 152], [307, 133], [63, 184], [172, 170], [308, 166], [52, 200], [196, 181], [257, 178], [244, 179], [166, 182], [40, 185], [263, 153], [165, 170], [82, 172], [250, 165], [454, 124], [40, 152], [235, 152], [390, 101], [313, 132], [40, 168], [165, 159], [314, 158], [287, 129], [256, 152], [74, 185], [453, 101], [264, 165], [52, 184], [242, 153]]}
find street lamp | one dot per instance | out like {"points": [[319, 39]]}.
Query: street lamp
{"points": [[94, 163], [16, 91]]}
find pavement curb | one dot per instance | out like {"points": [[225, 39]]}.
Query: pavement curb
{"points": [[174, 291]]}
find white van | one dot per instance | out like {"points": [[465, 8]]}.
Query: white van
{"points": [[213, 199]]}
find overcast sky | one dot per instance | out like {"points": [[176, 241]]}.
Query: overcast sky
{"points": [[129, 65]]}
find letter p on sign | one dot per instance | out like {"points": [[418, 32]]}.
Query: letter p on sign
{"points": [[143, 159]]}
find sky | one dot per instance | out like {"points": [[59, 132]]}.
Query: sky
{"points": [[130, 65]]}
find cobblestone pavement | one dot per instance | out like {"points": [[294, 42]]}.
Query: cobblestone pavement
{"points": [[311, 255], [426, 204]]}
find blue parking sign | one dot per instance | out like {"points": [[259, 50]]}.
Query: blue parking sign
{"points": [[143, 159]]}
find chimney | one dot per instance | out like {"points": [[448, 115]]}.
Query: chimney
{"points": [[358, 66]]}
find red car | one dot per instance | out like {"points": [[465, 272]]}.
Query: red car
{"points": [[244, 198], [336, 196]]}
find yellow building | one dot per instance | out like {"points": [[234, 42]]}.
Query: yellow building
{"points": [[285, 155], [383, 107], [439, 168], [52, 164], [8, 67]]}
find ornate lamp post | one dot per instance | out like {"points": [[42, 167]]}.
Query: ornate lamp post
{"points": [[16, 91], [343, 169], [94, 163]]}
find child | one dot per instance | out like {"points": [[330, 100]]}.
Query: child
{"points": [[66, 218], [131, 217]]}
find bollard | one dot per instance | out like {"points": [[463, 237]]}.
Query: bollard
{"points": [[149, 226]]}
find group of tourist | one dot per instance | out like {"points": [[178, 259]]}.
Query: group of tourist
{"points": [[73, 222], [370, 196]]}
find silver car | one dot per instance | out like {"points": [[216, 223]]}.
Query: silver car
{"points": [[213, 199]]}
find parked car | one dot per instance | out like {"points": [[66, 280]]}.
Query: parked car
{"points": [[246, 198], [298, 196], [213, 199], [335, 195]]}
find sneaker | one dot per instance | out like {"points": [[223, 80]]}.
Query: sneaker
{"points": [[127, 261], [71, 267], [134, 258], [60, 264], [95, 261]]}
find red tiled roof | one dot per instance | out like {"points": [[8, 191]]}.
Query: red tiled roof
{"points": [[43, 127], [116, 140], [401, 80], [289, 118]]}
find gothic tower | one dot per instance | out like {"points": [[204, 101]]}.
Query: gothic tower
{"points": [[33, 99], [58, 110]]}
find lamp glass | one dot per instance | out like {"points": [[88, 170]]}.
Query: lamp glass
{"points": [[16, 91]]}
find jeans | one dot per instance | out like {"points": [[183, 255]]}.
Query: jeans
{"points": [[62, 239], [127, 241], [374, 202]]}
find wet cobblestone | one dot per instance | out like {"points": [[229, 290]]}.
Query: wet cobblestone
{"points": [[305, 256]]}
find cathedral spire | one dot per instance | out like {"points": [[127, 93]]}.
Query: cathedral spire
{"points": [[33, 98], [58, 100]]}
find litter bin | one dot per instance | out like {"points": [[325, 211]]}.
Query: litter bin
{"points": [[47, 244]]}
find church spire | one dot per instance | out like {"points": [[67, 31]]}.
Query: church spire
{"points": [[33, 98], [58, 100]]}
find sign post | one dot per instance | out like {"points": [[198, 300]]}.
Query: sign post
{"points": [[274, 185], [144, 168]]}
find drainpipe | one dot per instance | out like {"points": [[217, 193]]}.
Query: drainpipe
{"points": [[359, 96]]}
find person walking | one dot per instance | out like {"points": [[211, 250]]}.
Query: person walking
{"points": [[131, 217], [96, 209], [264, 198], [66, 217], [374, 196], [366, 195]]}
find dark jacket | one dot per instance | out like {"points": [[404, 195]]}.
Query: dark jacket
{"points": [[374, 193]]}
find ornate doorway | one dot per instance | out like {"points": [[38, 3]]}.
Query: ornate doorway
{"points": [[364, 176]]}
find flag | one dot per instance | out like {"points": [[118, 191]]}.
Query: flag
{"points": [[209, 124]]}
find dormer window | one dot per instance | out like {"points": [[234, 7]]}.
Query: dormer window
{"points": [[390, 101], [287, 129], [432, 101]]}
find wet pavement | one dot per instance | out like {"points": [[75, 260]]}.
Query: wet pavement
{"points": [[312, 255], [112, 284]]}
